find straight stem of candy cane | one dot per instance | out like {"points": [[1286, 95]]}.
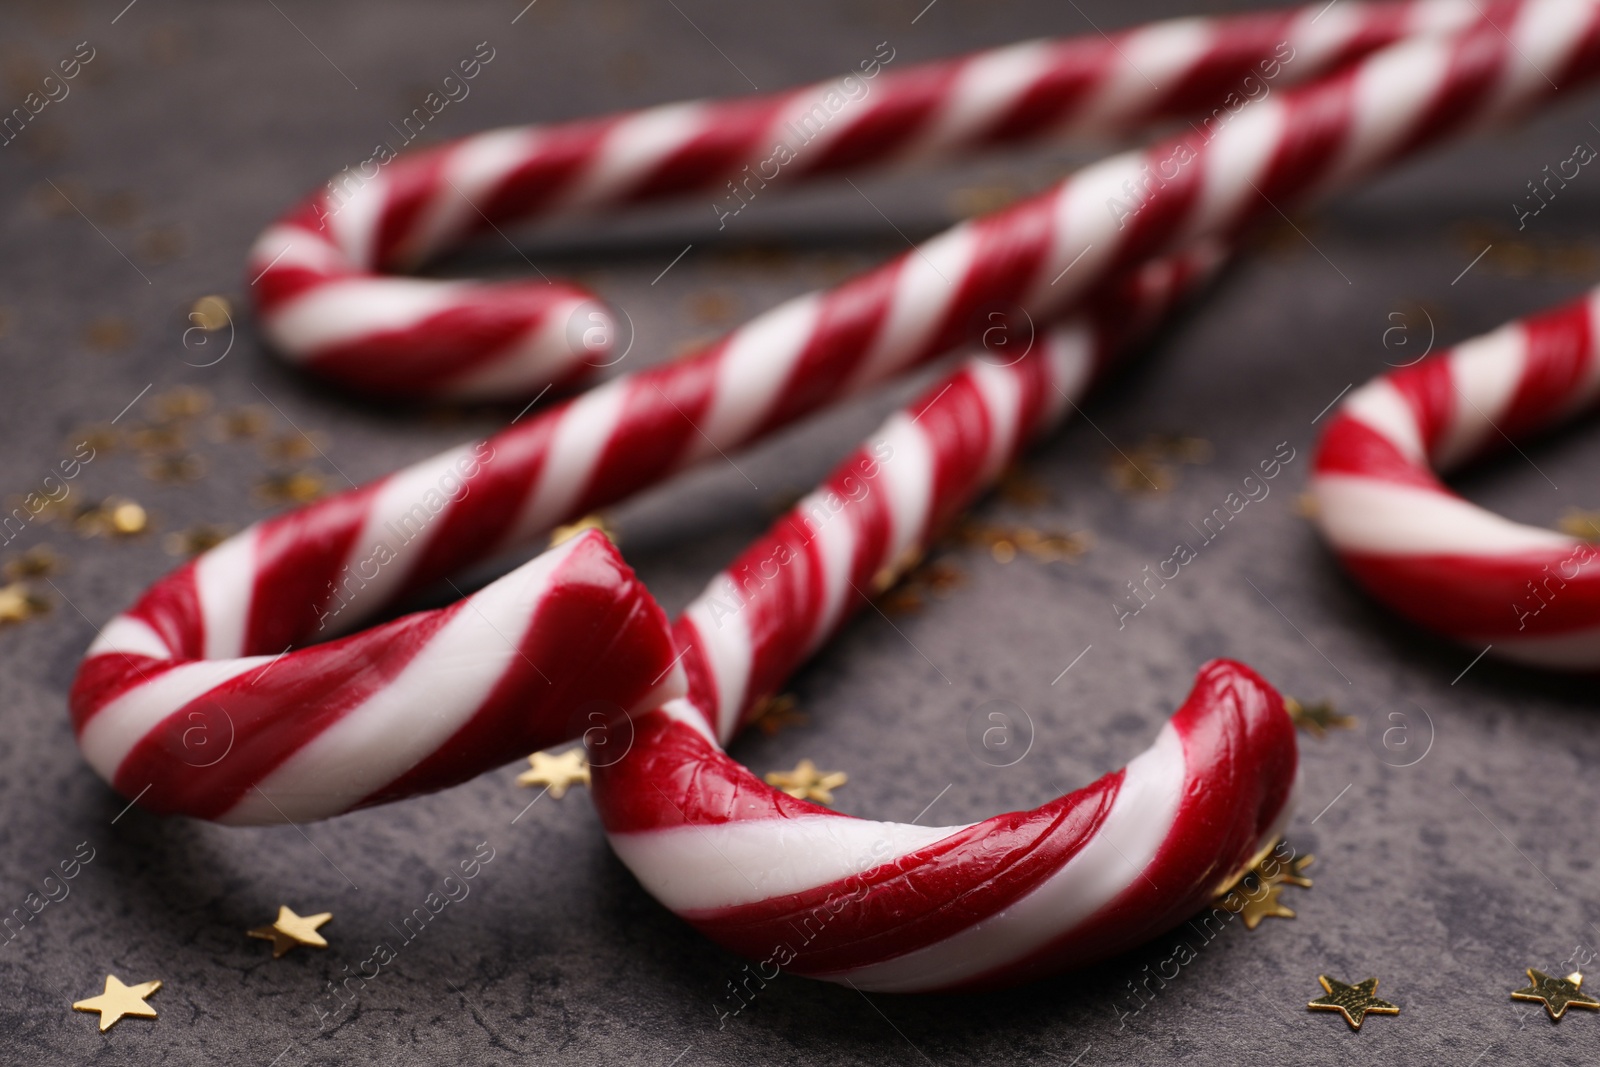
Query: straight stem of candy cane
{"points": [[317, 273]]}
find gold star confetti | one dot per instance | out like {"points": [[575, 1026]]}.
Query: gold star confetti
{"points": [[184, 402], [1018, 487], [1354, 1002], [1004, 542], [251, 420], [1258, 888], [294, 487], [562, 534], [557, 773], [99, 438], [972, 200], [1578, 523], [712, 308], [195, 540], [108, 334], [125, 518], [776, 712], [40, 561], [163, 244], [1316, 719], [1265, 906], [1149, 466], [175, 469], [18, 603], [805, 782], [1305, 505], [119, 1000], [295, 447], [211, 313], [119, 207], [55, 199], [1556, 994], [112, 517], [1291, 873], [289, 930], [156, 439], [901, 565]]}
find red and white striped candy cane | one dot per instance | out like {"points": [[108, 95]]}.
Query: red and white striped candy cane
{"points": [[321, 274], [906, 908], [1462, 571]]}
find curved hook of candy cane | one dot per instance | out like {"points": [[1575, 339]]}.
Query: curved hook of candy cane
{"points": [[169, 712], [1531, 594], [906, 908], [321, 274], [903, 908]]}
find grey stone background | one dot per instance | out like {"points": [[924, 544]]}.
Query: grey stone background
{"points": [[200, 122]]}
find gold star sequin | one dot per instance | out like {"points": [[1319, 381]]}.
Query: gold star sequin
{"points": [[184, 402], [211, 313], [195, 540], [1579, 523], [1354, 1002], [972, 200], [557, 773], [289, 930], [1149, 467], [119, 1000], [248, 421], [805, 782], [125, 518], [175, 469], [890, 574], [1291, 873], [1018, 487], [108, 334], [99, 438], [156, 438], [18, 603], [1556, 994], [1316, 719], [38, 562], [1265, 906], [713, 308], [1253, 895], [776, 712], [295, 447], [297, 487], [562, 534], [1004, 542]]}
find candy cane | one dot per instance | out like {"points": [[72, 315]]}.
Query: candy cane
{"points": [[275, 584], [1533, 595], [319, 275], [907, 908]]}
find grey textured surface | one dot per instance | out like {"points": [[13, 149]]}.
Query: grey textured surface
{"points": [[1445, 877]]}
